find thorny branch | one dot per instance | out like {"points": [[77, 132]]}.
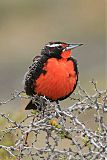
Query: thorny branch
{"points": [[40, 134]]}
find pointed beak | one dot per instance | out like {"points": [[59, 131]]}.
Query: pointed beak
{"points": [[72, 46]]}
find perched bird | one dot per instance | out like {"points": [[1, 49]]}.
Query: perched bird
{"points": [[53, 74]]}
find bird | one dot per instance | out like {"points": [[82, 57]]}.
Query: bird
{"points": [[53, 73]]}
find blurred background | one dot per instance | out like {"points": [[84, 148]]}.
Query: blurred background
{"points": [[26, 26]]}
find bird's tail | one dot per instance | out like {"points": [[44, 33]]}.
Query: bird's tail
{"points": [[31, 105]]}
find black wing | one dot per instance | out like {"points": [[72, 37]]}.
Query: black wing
{"points": [[33, 73], [75, 64]]}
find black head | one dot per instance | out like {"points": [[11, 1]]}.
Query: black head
{"points": [[56, 49]]}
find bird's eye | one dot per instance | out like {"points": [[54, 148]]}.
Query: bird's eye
{"points": [[59, 46]]}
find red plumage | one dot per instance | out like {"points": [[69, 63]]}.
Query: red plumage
{"points": [[59, 80], [54, 74]]}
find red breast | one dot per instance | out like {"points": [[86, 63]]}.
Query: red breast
{"points": [[59, 79]]}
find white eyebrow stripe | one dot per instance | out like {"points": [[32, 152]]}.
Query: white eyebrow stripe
{"points": [[53, 45]]}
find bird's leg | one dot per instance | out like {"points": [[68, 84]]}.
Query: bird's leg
{"points": [[59, 114], [53, 121], [58, 109], [43, 105], [58, 105]]}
